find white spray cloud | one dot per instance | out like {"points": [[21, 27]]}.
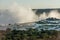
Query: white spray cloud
{"points": [[17, 14], [53, 14], [43, 16]]}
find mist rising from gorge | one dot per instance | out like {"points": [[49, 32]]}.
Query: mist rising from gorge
{"points": [[49, 13], [19, 14]]}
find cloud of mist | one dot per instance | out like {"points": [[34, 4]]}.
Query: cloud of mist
{"points": [[53, 14], [16, 14], [19, 14]]}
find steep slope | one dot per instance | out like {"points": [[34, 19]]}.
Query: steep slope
{"points": [[49, 23]]}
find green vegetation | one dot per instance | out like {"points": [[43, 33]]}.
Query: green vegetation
{"points": [[31, 34]]}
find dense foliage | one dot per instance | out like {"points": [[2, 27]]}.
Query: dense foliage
{"points": [[31, 34]]}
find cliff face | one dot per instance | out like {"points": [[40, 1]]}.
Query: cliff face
{"points": [[45, 10], [2, 34]]}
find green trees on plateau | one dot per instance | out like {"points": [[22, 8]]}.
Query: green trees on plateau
{"points": [[31, 34]]}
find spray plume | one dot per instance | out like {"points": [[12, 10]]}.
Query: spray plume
{"points": [[51, 14], [17, 14]]}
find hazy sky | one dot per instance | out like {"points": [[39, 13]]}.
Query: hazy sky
{"points": [[32, 3]]}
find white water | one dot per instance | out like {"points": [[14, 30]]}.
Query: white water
{"points": [[53, 14], [16, 14]]}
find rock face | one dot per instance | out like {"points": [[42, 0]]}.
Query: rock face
{"points": [[2, 34], [38, 11], [49, 23]]}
